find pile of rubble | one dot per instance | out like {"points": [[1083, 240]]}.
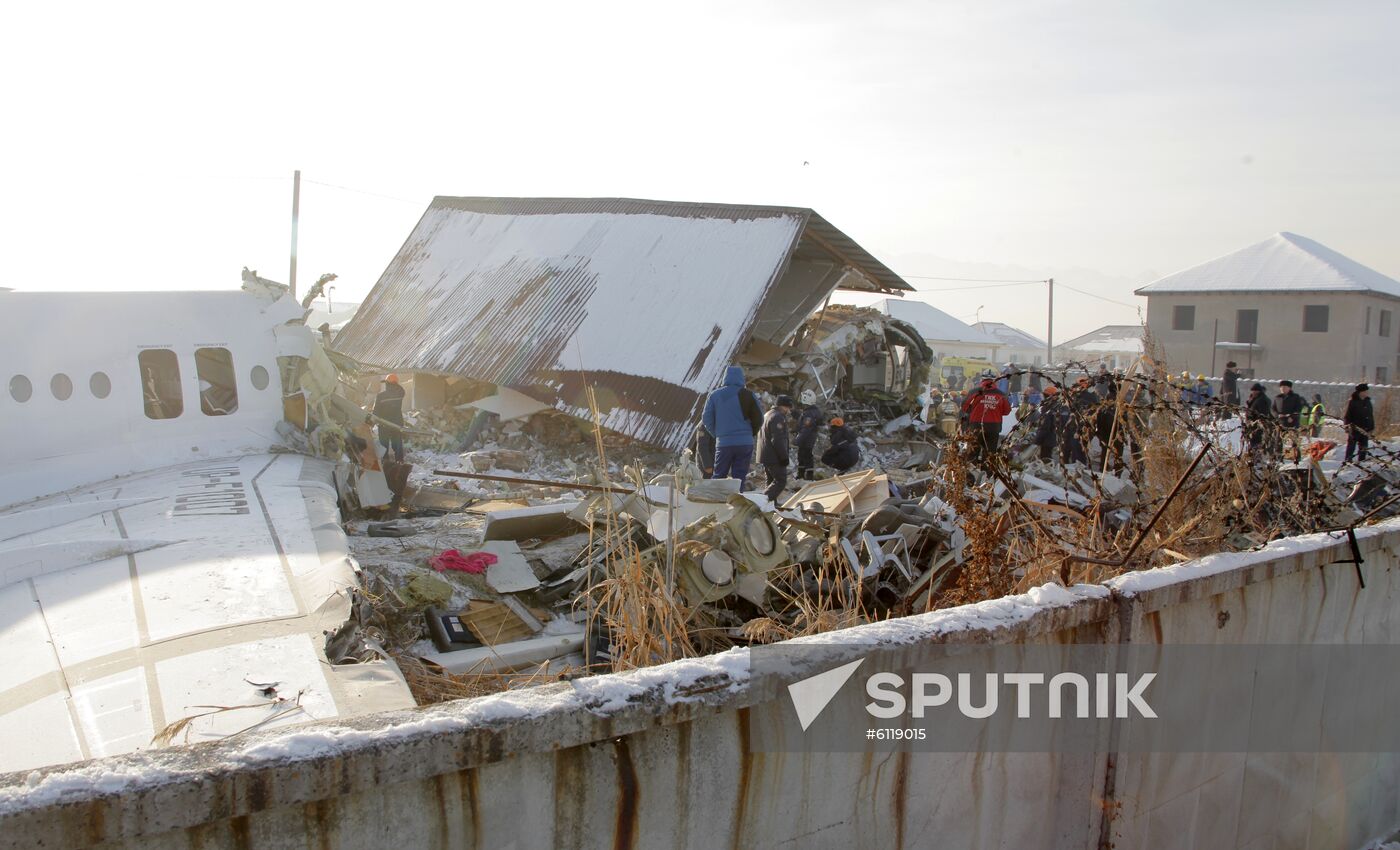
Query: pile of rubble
{"points": [[529, 557]]}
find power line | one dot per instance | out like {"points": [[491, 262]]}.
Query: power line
{"points": [[1100, 297], [363, 192], [965, 288], [973, 279]]}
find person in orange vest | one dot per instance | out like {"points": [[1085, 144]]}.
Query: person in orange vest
{"points": [[985, 407]]}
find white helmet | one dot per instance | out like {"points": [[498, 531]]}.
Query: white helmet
{"points": [[809, 397]]}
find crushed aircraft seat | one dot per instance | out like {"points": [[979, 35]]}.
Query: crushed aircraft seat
{"points": [[730, 554]]}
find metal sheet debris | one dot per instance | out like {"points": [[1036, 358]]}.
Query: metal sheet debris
{"points": [[550, 296]]}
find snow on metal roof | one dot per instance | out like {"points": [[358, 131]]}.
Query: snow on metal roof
{"points": [[646, 301], [933, 323], [1285, 262], [1007, 335], [1108, 338]]}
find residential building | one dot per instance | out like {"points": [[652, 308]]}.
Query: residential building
{"points": [[1286, 307], [947, 336], [1018, 346], [1115, 346]]}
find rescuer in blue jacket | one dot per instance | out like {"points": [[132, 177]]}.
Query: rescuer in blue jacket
{"points": [[733, 415]]}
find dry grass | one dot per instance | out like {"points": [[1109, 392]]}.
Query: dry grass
{"points": [[431, 685]]}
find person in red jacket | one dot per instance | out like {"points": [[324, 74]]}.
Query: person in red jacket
{"points": [[984, 409]]}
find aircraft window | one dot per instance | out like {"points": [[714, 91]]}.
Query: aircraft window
{"points": [[218, 392], [259, 378], [61, 386], [21, 389], [100, 385], [160, 383]]}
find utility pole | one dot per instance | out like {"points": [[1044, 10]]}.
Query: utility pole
{"points": [[1215, 340], [296, 211], [1050, 324]]}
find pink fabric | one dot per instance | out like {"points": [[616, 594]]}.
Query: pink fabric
{"points": [[474, 562]]}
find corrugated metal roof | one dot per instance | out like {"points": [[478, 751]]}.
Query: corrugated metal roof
{"points": [[647, 301], [1285, 262]]}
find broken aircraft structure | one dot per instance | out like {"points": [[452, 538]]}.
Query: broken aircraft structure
{"points": [[168, 572], [645, 301]]}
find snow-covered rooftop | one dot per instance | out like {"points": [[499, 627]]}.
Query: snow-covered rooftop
{"points": [[933, 323], [1285, 262], [1108, 338], [1014, 337]]}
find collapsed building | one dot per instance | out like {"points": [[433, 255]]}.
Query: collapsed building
{"points": [[533, 300]]}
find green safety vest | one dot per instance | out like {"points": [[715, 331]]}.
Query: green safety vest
{"points": [[1318, 412]]}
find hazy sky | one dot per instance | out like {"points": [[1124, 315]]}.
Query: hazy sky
{"points": [[152, 146]]}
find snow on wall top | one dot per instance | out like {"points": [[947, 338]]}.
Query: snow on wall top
{"points": [[647, 301], [1285, 262], [933, 323]]}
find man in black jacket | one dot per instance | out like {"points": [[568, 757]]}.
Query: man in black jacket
{"points": [[1075, 406], [1258, 413], [1288, 408], [1047, 424], [388, 406], [705, 451], [845, 447], [1359, 421], [809, 424], [1230, 385], [773, 451]]}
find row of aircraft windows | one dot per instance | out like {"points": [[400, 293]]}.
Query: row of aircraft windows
{"points": [[162, 395]]}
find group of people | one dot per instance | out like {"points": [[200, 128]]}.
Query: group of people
{"points": [[1069, 418], [1291, 417], [734, 431]]}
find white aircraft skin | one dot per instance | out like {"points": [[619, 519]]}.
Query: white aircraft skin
{"points": [[157, 558]]}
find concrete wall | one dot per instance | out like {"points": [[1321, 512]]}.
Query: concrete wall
{"points": [[1346, 352], [663, 757]]}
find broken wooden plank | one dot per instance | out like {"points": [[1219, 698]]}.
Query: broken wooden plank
{"points": [[493, 623]]}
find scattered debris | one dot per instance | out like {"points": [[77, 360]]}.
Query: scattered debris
{"points": [[566, 551]]}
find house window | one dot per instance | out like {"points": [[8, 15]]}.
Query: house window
{"points": [[1315, 318], [160, 383], [1382, 374], [1368, 321], [1246, 326], [1385, 323], [1183, 317], [218, 391]]}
